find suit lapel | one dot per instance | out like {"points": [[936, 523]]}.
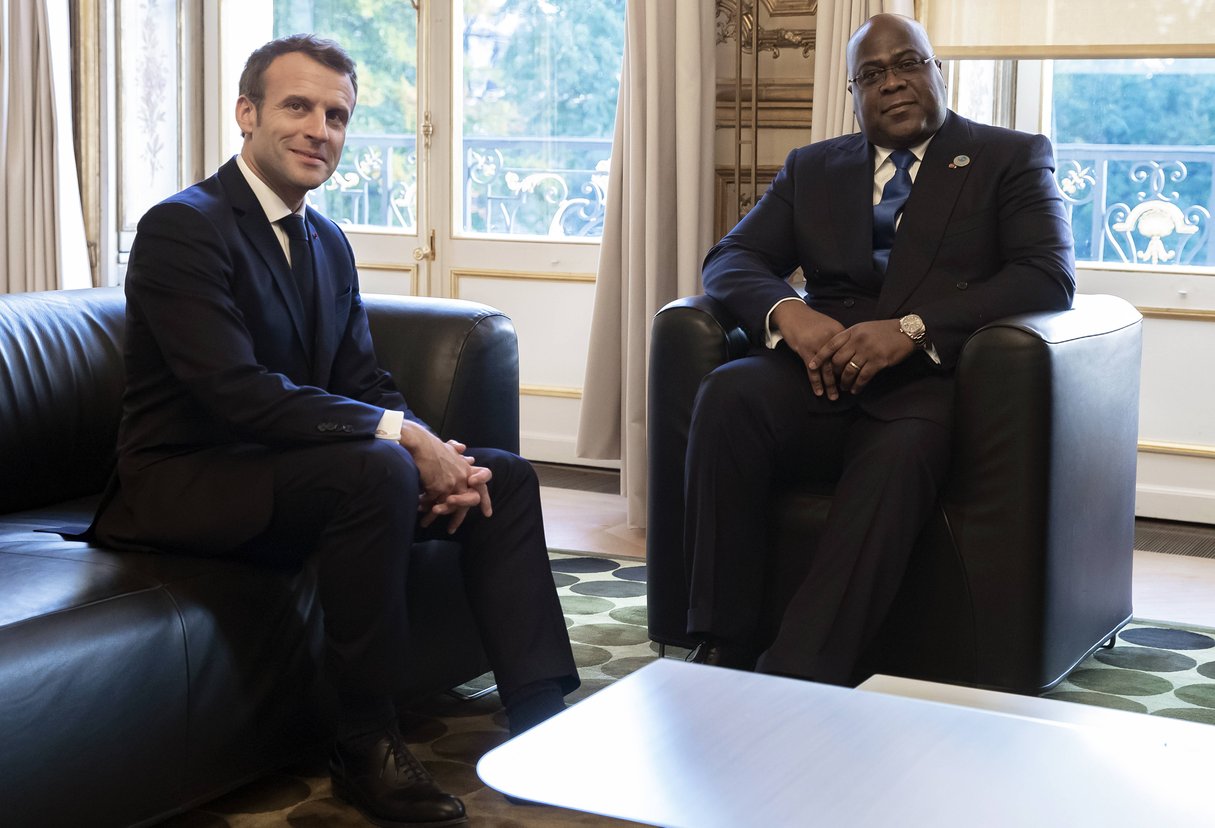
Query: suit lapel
{"points": [[849, 195], [928, 212], [256, 227], [326, 336]]}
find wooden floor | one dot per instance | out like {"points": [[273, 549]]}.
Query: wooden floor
{"points": [[1174, 588], [589, 522]]}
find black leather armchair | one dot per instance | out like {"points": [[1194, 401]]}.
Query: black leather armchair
{"points": [[1026, 567], [134, 685]]}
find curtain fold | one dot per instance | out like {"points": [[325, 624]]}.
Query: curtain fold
{"points": [[658, 225], [42, 241], [837, 20]]}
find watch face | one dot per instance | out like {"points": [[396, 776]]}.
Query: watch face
{"points": [[913, 326]]}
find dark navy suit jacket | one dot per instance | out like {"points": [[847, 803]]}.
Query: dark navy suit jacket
{"points": [[981, 238], [221, 370]]}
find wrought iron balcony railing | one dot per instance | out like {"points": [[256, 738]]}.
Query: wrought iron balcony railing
{"points": [[1132, 205], [1139, 204], [551, 188], [375, 183]]}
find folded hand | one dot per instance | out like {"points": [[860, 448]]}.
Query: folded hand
{"points": [[452, 483]]}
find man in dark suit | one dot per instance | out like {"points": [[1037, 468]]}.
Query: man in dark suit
{"points": [[256, 421], [853, 384]]}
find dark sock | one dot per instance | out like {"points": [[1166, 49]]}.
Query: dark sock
{"points": [[529, 705], [362, 714]]}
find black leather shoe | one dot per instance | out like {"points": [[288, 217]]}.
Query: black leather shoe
{"points": [[379, 776], [717, 653]]}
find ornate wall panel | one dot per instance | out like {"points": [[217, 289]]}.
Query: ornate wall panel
{"points": [[765, 91]]}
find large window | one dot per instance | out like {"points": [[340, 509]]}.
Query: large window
{"points": [[535, 85], [1135, 142], [539, 87], [376, 183], [475, 162], [1135, 146]]}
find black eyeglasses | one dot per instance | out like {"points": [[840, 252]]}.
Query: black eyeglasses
{"points": [[872, 77]]}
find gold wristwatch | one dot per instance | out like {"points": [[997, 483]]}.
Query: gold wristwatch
{"points": [[913, 326]]}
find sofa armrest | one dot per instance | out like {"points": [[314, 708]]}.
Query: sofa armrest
{"points": [[1043, 482], [689, 338], [456, 362]]}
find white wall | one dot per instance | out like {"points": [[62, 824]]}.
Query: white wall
{"points": [[1176, 478]]}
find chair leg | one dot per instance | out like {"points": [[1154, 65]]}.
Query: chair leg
{"points": [[662, 650], [1109, 643]]}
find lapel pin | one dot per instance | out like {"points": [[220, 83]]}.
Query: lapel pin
{"points": [[959, 161]]}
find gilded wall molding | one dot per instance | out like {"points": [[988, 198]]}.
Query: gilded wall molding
{"points": [[788, 8], [551, 391], [1180, 314], [516, 275], [726, 194], [730, 23], [776, 92], [393, 267], [558, 392], [1177, 449], [781, 103]]}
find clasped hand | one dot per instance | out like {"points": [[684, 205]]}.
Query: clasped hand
{"points": [[452, 482], [840, 359]]}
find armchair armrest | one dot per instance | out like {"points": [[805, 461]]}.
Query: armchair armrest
{"points": [[1042, 489], [689, 338], [456, 362]]}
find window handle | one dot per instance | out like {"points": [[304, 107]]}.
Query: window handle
{"points": [[426, 253]]}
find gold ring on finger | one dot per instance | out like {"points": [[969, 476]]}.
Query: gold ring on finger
{"points": [[854, 366]]}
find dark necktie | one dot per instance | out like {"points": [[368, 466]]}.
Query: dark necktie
{"points": [[886, 212], [301, 262]]}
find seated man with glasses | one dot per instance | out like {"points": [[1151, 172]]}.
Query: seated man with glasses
{"points": [[911, 234]]}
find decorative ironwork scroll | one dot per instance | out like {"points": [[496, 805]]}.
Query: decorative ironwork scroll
{"points": [[1139, 205]]}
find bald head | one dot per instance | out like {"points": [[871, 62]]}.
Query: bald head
{"points": [[899, 108]]}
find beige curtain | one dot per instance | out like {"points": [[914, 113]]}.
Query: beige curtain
{"points": [[1075, 28], [658, 225], [42, 244], [837, 20]]}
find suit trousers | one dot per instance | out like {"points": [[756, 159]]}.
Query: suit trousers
{"points": [[355, 504], [757, 426]]}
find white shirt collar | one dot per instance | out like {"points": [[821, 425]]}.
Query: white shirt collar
{"points": [[880, 154], [273, 206]]}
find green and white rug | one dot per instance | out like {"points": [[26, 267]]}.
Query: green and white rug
{"points": [[604, 603], [1155, 668]]}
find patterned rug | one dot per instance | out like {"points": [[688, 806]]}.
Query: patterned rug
{"points": [[1155, 668], [604, 603]]}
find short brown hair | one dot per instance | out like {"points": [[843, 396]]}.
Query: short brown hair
{"points": [[323, 51]]}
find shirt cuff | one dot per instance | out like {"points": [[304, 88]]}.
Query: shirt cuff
{"points": [[390, 426], [772, 337]]}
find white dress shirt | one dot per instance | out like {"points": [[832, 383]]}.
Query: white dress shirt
{"points": [[883, 170], [276, 210]]}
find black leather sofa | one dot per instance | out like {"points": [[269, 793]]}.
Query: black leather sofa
{"points": [[135, 685], [1026, 567]]}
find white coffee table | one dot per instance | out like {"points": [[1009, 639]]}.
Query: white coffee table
{"points": [[678, 744]]}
